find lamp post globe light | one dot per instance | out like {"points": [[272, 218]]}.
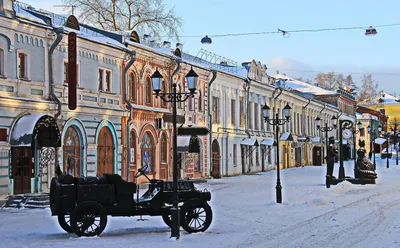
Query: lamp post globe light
{"points": [[373, 133], [174, 97], [277, 122], [327, 129]]}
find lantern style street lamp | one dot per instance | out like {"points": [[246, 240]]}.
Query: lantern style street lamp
{"points": [[276, 122], [174, 97], [326, 129]]}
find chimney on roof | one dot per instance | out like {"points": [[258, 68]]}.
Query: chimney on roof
{"points": [[167, 44], [7, 8]]}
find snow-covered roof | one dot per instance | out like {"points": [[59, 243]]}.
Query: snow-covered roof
{"points": [[296, 85], [22, 13], [386, 98]]}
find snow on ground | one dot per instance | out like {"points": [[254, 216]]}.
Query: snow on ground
{"points": [[245, 214]]}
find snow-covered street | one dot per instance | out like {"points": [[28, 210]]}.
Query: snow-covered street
{"points": [[245, 215]]}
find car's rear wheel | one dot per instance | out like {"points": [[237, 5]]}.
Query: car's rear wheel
{"points": [[88, 219], [64, 221]]}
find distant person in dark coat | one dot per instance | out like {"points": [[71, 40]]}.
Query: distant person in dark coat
{"points": [[370, 155], [330, 157]]}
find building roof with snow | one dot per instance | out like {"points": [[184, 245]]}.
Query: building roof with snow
{"points": [[292, 84]]}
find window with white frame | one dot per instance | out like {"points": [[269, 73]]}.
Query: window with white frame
{"points": [[23, 65], [104, 77], [65, 75], [2, 62]]}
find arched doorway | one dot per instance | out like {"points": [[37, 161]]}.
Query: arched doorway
{"points": [[72, 147], [33, 140], [317, 155], [147, 153], [105, 152], [216, 173]]}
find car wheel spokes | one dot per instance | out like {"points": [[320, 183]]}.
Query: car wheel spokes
{"points": [[196, 218]]}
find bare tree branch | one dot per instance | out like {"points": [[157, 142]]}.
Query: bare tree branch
{"points": [[147, 16]]}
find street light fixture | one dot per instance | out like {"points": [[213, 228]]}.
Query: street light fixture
{"points": [[175, 97], [277, 122], [326, 129]]}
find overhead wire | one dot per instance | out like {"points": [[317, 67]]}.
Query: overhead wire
{"points": [[287, 32]]}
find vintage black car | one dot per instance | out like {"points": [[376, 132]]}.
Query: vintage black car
{"points": [[83, 204]]}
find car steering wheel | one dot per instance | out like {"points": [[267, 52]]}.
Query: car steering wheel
{"points": [[141, 171]]}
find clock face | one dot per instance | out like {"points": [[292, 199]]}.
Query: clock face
{"points": [[347, 134]]}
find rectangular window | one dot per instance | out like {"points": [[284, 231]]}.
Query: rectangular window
{"points": [[101, 79], [215, 109], [241, 111], [66, 73], [256, 117], [22, 65], [108, 81], [234, 154], [2, 62], [233, 112], [249, 119]]}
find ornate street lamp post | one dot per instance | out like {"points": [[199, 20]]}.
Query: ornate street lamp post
{"points": [[344, 125], [373, 133], [387, 136], [326, 129], [276, 122], [359, 126], [175, 97]]}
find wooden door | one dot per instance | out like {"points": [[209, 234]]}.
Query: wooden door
{"points": [[105, 152], [216, 173], [22, 169], [317, 155]]}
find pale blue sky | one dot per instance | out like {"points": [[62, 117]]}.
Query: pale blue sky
{"points": [[342, 51]]}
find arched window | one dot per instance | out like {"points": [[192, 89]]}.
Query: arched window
{"points": [[132, 86], [164, 150], [133, 148], [147, 91], [147, 152], [72, 152], [200, 101]]}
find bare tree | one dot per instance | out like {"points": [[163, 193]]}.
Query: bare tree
{"points": [[330, 81], [368, 90], [144, 16]]}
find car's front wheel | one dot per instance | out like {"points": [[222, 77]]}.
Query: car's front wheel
{"points": [[196, 216]]}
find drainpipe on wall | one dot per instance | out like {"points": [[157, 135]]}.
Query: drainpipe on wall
{"points": [[132, 55], [303, 131], [214, 76], [59, 33]]}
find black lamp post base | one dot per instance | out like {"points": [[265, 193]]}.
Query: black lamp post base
{"points": [[175, 212], [341, 172], [278, 193]]}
